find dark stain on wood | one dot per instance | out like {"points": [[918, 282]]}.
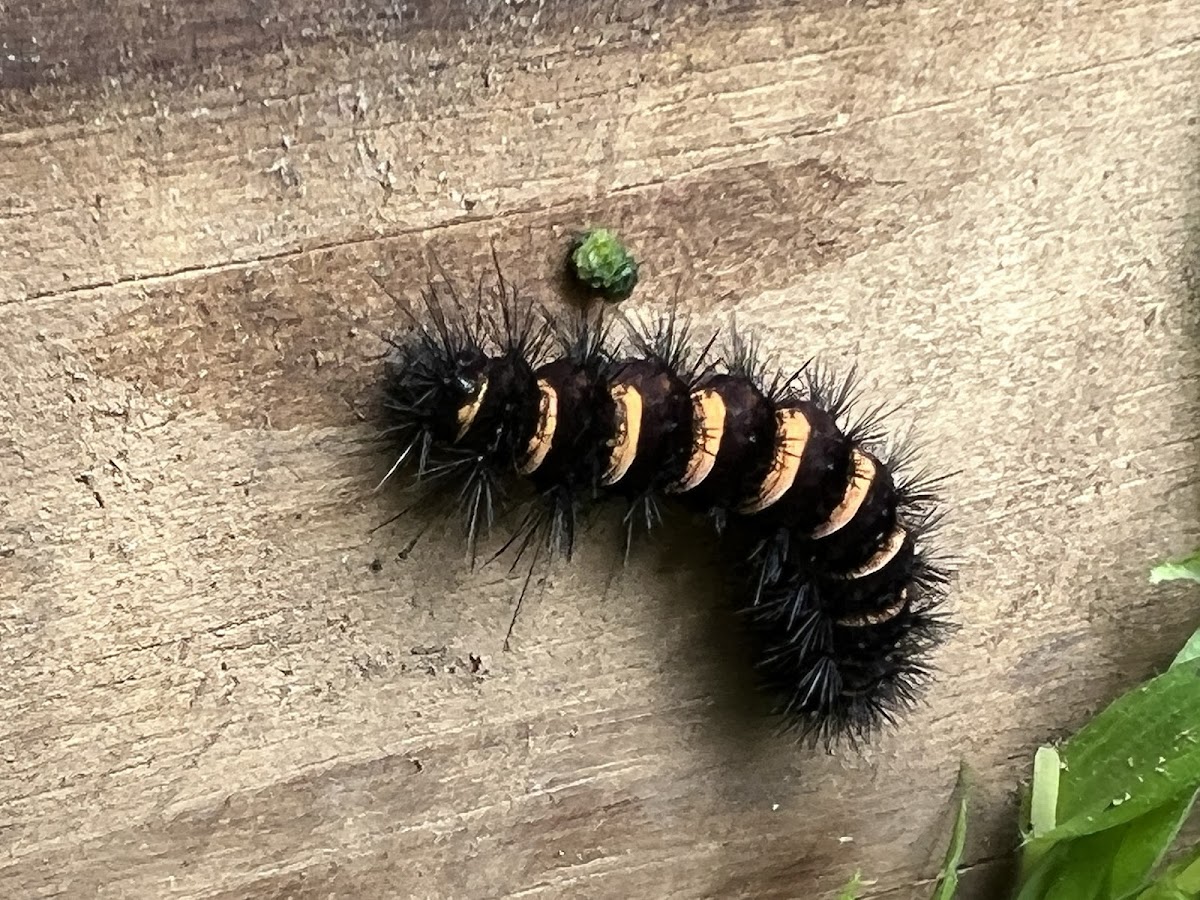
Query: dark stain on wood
{"points": [[295, 342]]}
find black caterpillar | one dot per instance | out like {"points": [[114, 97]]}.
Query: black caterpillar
{"points": [[839, 593]]}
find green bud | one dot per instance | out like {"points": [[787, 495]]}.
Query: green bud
{"points": [[599, 260]]}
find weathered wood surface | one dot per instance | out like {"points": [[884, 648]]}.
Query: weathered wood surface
{"points": [[219, 682]]}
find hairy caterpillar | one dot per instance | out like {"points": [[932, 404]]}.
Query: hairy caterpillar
{"points": [[839, 593]]}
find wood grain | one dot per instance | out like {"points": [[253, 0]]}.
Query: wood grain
{"points": [[221, 682]]}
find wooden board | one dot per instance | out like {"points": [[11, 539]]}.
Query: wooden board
{"points": [[221, 682]]}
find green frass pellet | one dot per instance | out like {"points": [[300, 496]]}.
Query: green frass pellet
{"points": [[601, 262]]}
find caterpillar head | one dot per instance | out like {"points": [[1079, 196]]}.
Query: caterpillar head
{"points": [[432, 388]]}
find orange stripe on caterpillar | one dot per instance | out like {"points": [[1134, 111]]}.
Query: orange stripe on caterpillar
{"points": [[879, 616], [469, 410], [708, 428], [791, 436], [543, 435], [881, 557], [628, 403], [852, 500]]}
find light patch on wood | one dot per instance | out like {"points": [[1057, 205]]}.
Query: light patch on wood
{"points": [[628, 402], [543, 435], [708, 428], [881, 557], [469, 410], [791, 437], [852, 500], [879, 616]]}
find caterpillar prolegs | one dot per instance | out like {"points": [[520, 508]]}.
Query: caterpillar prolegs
{"points": [[826, 529]]}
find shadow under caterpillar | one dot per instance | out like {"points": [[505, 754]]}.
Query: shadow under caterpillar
{"points": [[826, 529]]}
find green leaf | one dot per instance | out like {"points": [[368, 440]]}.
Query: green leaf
{"points": [[947, 885], [850, 891], [1190, 651], [1181, 881], [1104, 809], [1083, 873], [1040, 807], [1139, 753], [1177, 569], [1038, 875], [1116, 863], [1144, 843], [1165, 892], [1043, 808]]}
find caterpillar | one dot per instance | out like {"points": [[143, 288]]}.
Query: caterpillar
{"points": [[827, 529]]}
